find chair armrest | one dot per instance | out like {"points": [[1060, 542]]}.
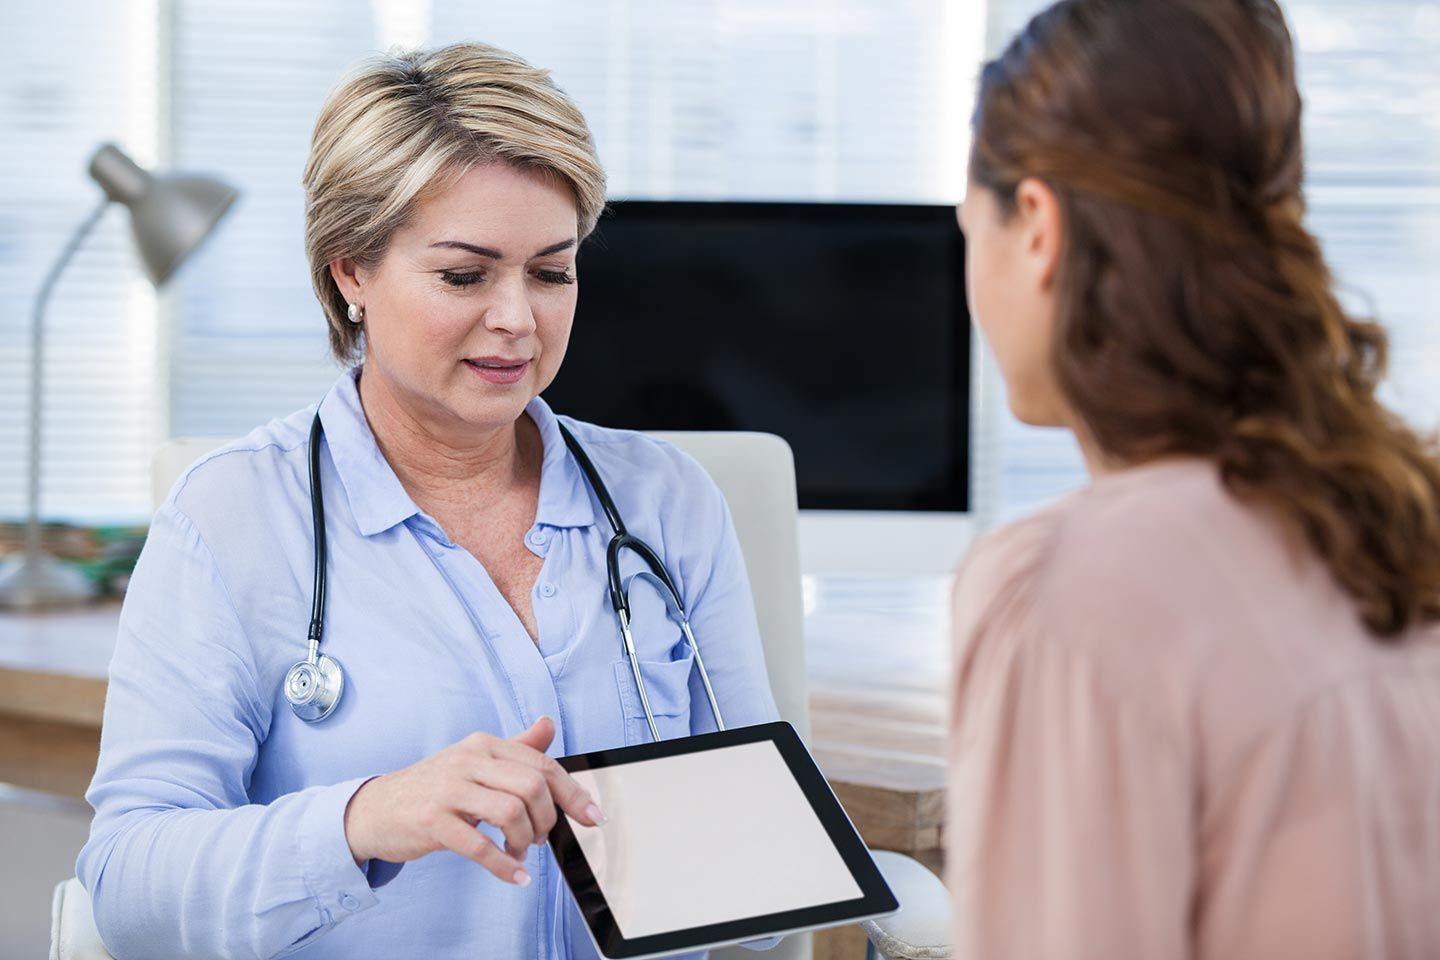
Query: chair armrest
{"points": [[921, 930], [72, 925]]}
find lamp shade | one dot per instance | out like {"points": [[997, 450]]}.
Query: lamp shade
{"points": [[170, 214]]}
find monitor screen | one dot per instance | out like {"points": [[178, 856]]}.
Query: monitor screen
{"points": [[840, 327]]}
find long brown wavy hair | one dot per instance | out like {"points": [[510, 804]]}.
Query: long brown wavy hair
{"points": [[1196, 314]]}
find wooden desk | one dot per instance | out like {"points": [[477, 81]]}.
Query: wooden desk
{"points": [[53, 665], [876, 652]]}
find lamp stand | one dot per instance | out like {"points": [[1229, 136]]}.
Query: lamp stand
{"points": [[37, 580]]}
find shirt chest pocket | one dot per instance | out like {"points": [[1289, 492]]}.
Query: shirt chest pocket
{"points": [[667, 685]]}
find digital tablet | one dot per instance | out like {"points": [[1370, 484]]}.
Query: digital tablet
{"points": [[711, 840]]}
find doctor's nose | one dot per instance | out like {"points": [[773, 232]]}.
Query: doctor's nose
{"points": [[510, 311]]}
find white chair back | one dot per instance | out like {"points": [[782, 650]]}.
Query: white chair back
{"points": [[756, 473], [171, 460]]}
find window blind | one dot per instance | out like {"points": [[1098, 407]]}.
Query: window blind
{"points": [[840, 99], [1370, 78], [75, 74], [248, 77], [849, 100], [825, 99]]}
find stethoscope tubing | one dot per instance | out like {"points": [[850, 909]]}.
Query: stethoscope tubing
{"points": [[326, 668], [317, 518]]}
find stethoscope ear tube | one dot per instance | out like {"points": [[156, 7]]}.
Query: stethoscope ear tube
{"points": [[629, 641], [620, 592], [313, 686], [667, 590]]}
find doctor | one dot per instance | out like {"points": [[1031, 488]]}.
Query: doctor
{"points": [[466, 599]]}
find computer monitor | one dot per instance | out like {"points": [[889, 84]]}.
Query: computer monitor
{"points": [[840, 327]]}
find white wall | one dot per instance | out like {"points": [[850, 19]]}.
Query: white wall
{"points": [[835, 543]]}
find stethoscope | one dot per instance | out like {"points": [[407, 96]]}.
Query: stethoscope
{"points": [[313, 685]]}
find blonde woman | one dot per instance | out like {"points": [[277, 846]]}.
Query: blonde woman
{"points": [[447, 193], [1197, 704]]}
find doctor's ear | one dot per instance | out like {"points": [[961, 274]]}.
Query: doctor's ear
{"points": [[350, 277], [1041, 228]]}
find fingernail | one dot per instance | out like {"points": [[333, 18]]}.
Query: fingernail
{"points": [[595, 815], [522, 878]]}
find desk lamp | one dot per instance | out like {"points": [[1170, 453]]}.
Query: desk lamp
{"points": [[170, 215]]}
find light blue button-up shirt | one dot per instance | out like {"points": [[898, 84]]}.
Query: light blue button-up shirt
{"points": [[219, 816]]}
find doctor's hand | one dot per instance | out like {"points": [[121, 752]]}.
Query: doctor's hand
{"points": [[435, 804]]}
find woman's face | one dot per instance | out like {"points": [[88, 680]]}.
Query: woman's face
{"points": [[468, 315], [1010, 261]]}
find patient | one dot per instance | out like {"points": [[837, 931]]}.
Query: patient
{"points": [[1196, 704]]}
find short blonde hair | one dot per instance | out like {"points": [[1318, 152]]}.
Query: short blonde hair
{"points": [[404, 123]]}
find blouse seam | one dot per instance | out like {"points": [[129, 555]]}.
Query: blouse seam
{"points": [[225, 452]]}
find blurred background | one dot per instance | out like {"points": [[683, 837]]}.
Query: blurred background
{"points": [[819, 100], [806, 101]]}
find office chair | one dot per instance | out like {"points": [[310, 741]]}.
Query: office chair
{"points": [[756, 473]]}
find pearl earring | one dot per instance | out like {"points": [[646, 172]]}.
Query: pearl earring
{"points": [[356, 313]]}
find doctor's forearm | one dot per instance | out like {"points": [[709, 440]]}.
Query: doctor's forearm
{"points": [[252, 882]]}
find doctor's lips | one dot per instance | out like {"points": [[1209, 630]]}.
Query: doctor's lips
{"points": [[498, 369]]}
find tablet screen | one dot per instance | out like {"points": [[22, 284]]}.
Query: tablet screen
{"points": [[713, 839], [752, 842]]}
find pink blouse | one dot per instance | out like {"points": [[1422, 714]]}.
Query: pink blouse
{"points": [[1171, 737]]}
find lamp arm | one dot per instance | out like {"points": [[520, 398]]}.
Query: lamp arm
{"points": [[37, 367]]}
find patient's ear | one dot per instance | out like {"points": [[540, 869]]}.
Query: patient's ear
{"points": [[1038, 210]]}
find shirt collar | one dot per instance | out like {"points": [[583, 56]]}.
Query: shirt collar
{"points": [[565, 499], [378, 500]]}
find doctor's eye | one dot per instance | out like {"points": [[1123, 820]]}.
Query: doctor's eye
{"points": [[461, 279], [558, 278]]}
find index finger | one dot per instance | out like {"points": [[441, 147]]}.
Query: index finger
{"points": [[571, 797], [565, 790]]}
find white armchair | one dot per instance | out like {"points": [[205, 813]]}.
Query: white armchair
{"points": [[756, 472], [72, 926]]}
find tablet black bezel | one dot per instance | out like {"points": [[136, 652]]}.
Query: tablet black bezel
{"points": [[876, 897]]}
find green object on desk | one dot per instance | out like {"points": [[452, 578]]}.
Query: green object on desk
{"points": [[104, 554]]}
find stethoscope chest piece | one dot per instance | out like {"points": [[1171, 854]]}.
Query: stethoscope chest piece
{"points": [[313, 685], [313, 689]]}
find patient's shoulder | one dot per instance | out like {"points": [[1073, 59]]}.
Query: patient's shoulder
{"points": [[1000, 568], [1166, 531], [1127, 567]]}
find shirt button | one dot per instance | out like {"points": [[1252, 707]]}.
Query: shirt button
{"points": [[349, 902], [537, 537], [547, 590]]}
